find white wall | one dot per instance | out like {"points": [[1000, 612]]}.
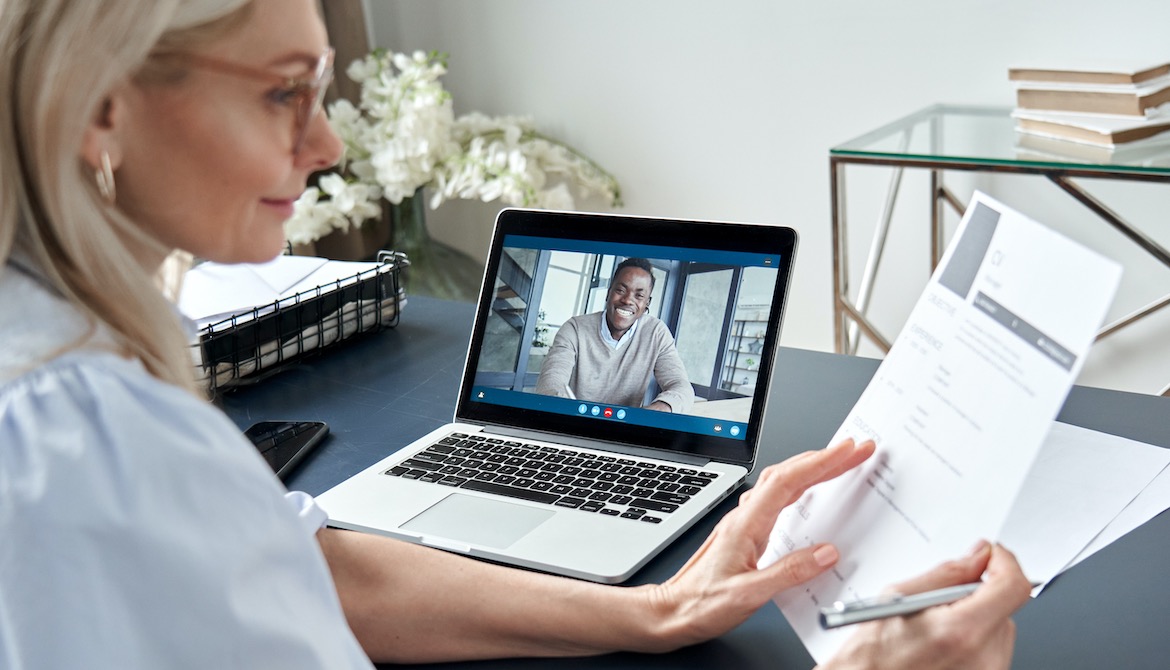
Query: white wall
{"points": [[727, 110]]}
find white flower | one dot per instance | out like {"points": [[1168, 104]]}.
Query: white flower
{"points": [[349, 204], [557, 197], [403, 135]]}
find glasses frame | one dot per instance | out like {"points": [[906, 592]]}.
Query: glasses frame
{"points": [[310, 93]]}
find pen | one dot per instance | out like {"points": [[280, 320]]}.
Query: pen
{"points": [[884, 607]]}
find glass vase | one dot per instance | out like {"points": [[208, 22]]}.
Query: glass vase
{"points": [[435, 270]]}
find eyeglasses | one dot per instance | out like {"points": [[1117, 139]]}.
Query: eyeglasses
{"points": [[308, 94]]}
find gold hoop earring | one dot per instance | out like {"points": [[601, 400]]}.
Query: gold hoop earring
{"points": [[105, 179]]}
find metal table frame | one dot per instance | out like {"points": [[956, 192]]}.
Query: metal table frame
{"points": [[850, 320]]}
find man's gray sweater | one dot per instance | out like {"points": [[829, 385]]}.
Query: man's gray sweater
{"points": [[580, 365]]}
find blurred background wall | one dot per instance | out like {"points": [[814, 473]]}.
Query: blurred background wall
{"points": [[727, 110]]}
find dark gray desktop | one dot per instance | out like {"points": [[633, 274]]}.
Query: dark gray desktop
{"points": [[380, 392]]}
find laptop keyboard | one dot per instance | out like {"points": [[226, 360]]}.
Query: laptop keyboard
{"points": [[610, 485]]}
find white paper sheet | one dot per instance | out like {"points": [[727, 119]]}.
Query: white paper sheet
{"points": [[959, 409], [284, 272], [1152, 501], [1080, 482]]}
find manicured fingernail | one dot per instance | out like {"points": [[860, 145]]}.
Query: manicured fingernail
{"points": [[825, 555]]}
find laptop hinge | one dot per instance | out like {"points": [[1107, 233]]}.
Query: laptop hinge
{"points": [[627, 449]]}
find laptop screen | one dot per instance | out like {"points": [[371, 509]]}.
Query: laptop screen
{"points": [[650, 332]]}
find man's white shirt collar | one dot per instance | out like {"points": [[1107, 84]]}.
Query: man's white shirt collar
{"points": [[626, 337]]}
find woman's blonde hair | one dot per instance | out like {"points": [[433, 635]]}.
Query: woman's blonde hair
{"points": [[60, 58]]}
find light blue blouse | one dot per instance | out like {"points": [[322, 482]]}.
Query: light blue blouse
{"points": [[138, 528]]}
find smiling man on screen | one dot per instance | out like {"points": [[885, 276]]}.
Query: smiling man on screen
{"points": [[610, 356]]}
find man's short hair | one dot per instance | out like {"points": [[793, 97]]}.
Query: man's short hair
{"points": [[640, 263]]}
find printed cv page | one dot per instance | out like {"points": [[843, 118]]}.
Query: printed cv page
{"points": [[958, 409]]}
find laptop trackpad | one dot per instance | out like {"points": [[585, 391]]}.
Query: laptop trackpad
{"points": [[489, 523]]}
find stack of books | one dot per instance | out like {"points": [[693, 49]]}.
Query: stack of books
{"points": [[1103, 107]]}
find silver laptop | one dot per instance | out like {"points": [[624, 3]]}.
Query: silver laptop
{"points": [[576, 453]]}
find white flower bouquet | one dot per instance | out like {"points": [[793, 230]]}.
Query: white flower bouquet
{"points": [[403, 136]]}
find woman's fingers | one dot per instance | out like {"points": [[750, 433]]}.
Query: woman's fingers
{"points": [[780, 485], [1004, 590], [959, 571]]}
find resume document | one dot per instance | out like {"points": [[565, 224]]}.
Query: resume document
{"points": [[958, 409]]}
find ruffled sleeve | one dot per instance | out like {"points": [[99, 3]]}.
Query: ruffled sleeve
{"points": [[311, 515]]}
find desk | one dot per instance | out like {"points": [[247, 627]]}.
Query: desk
{"points": [[380, 392], [980, 139]]}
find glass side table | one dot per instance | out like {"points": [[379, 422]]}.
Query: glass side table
{"points": [[982, 139]]}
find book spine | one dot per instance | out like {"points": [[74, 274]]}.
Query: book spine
{"points": [[1088, 102], [1088, 76], [1058, 77], [1088, 135], [1156, 99], [1063, 131]]}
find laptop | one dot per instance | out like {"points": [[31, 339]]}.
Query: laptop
{"points": [[590, 486]]}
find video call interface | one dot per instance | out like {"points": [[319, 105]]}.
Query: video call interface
{"points": [[715, 304]]}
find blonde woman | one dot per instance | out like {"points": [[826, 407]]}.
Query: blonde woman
{"points": [[139, 529]]}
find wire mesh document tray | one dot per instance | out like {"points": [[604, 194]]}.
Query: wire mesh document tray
{"points": [[252, 345]]}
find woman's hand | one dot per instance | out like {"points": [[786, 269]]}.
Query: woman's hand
{"points": [[975, 632], [721, 586], [408, 603]]}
